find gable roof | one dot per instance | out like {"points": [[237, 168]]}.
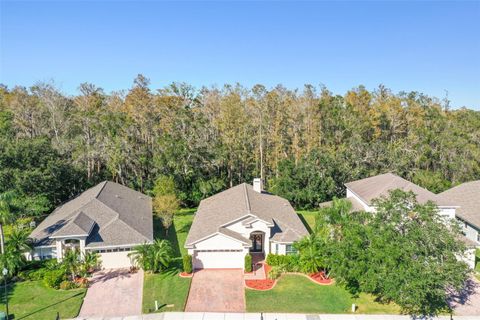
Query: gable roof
{"points": [[242, 202], [467, 196], [377, 186], [109, 214]]}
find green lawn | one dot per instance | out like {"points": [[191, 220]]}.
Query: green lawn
{"points": [[294, 293], [168, 288], [308, 218], [33, 300]]}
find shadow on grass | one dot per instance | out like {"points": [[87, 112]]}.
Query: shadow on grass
{"points": [[49, 306], [171, 236], [305, 223]]}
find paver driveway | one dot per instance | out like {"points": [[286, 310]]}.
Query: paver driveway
{"points": [[114, 292], [217, 290]]}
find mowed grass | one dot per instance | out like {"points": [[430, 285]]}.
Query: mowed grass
{"points": [[295, 293], [169, 288], [33, 300]]}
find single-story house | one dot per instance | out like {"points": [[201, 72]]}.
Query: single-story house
{"points": [[109, 219], [360, 194], [242, 219], [467, 196]]}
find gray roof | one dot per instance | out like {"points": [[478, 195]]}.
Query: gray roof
{"points": [[356, 206], [109, 213], [242, 202], [467, 196], [378, 186]]}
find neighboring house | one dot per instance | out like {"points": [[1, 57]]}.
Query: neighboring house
{"points": [[242, 219], [360, 194], [467, 196], [109, 219]]}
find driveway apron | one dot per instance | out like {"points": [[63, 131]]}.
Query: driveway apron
{"points": [[114, 292], [217, 290]]}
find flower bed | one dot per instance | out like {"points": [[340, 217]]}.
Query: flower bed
{"points": [[185, 275], [265, 284], [320, 278]]}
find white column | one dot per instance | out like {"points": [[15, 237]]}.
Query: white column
{"points": [[59, 246], [82, 248]]}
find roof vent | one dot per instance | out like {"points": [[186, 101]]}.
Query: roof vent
{"points": [[257, 185]]}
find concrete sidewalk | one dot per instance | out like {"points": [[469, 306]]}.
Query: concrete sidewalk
{"points": [[270, 316]]}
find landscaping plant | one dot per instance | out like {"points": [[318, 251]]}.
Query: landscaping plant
{"points": [[248, 262], [187, 263]]}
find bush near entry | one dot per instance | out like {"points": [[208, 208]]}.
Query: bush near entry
{"points": [[248, 263], [187, 263], [288, 263]]}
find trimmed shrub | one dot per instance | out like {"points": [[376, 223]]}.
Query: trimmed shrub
{"points": [[54, 278], [248, 262], [290, 263], [32, 275], [275, 272], [67, 285], [187, 263]]}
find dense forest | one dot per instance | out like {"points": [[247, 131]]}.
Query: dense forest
{"points": [[304, 143]]}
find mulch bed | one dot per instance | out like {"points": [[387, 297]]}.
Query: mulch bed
{"points": [[320, 278], [265, 284], [185, 275]]}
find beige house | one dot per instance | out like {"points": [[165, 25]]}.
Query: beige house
{"points": [[242, 219], [109, 219], [467, 196], [361, 193]]}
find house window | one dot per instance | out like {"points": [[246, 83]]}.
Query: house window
{"points": [[289, 249], [478, 236], [276, 248]]}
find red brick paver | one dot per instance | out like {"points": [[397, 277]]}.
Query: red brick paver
{"points": [[217, 290], [113, 293]]}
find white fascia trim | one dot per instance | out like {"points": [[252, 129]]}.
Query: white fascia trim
{"points": [[190, 245], [116, 246], [258, 219], [42, 247], [361, 199], [238, 219], [70, 236], [282, 242]]}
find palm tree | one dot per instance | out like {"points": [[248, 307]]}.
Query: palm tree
{"points": [[142, 256], [162, 254], [90, 261], [310, 252], [7, 200], [18, 241], [71, 262]]}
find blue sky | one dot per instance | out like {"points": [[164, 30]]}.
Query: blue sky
{"points": [[408, 46]]}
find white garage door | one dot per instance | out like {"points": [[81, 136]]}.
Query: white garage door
{"points": [[113, 260], [218, 259]]}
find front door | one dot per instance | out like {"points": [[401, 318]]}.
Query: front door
{"points": [[257, 242]]}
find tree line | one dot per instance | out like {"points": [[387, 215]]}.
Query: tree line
{"points": [[304, 143]]}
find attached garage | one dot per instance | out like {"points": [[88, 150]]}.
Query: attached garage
{"points": [[115, 259], [218, 259]]}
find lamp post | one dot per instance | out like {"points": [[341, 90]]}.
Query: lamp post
{"points": [[5, 272]]}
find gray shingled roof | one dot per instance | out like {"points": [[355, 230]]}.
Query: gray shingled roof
{"points": [[380, 185], [467, 196], [240, 202], [111, 214]]}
